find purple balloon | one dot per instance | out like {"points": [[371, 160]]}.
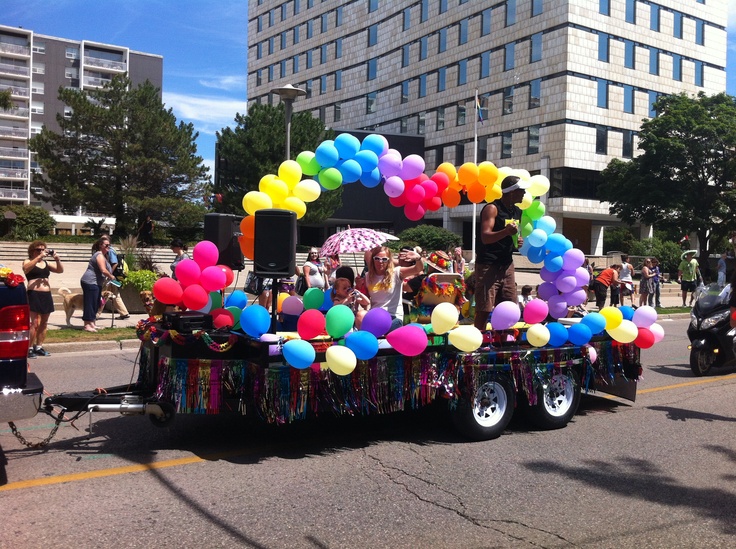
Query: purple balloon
{"points": [[393, 186], [376, 321], [566, 283], [413, 166], [547, 275], [557, 306], [576, 297], [582, 276], [505, 315], [572, 259], [547, 290], [390, 164]]}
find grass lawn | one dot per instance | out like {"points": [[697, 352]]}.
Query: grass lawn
{"points": [[70, 335]]}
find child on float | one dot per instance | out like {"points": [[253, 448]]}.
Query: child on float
{"points": [[525, 296], [343, 293]]}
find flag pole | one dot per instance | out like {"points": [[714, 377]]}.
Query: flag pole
{"points": [[475, 161]]}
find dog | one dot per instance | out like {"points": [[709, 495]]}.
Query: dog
{"points": [[74, 302], [153, 307]]}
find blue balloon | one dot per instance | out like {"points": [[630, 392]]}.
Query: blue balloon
{"points": [[363, 344], [595, 321], [347, 145], [579, 334], [546, 223], [371, 179], [327, 154], [556, 244], [557, 334], [255, 320], [299, 353], [536, 255], [327, 302], [368, 160], [350, 170], [553, 263], [627, 311], [374, 143], [237, 299]]}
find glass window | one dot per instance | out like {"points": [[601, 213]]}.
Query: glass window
{"points": [[482, 148], [699, 77], [271, 42], [296, 64], [507, 143], [536, 49], [309, 59], [422, 48], [700, 32], [270, 18], [629, 54], [440, 118], [422, 85], [604, 7], [628, 99], [338, 16], [485, 64], [535, 93], [323, 84], [654, 15], [338, 48], [370, 103], [508, 100], [603, 48], [627, 150], [283, 11], [602, 94], [485, 22], [405, 91], [270, 73], [653, 61], [372, 35], [439, 155], [338, 79], [310, 28], [510, 12], [537, 7], [297, 9], [441, 79], [532, 144], [407, 19], [259, 50], [323, 54], [459, 154], [259, 77], [372, 68], [653, 96], [405, 51], [443, 6], [259, 23], [461, 115], [421, 123], [337, 112], [283, 40], [372, 5], [442, 40], [630, 14], [463, 34], [677, 33], [283, 68], [508, 56], [324, 22], [404, 124], [601, 140], [462, 72], [424, 11], [296, 34]]}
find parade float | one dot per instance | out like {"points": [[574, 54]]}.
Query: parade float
{"points": [[224, 355]]}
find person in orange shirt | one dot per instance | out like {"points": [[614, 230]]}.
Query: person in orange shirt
{"points": [[607, 279]]}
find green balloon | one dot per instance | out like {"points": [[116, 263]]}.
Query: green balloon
{"points": [[536, 210], [339, 321], [236, 312], [313, 298], [217, 301], [526, 229], [330, 178], [308, 163]]}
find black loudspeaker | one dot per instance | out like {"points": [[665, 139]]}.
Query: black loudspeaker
{"points": [[223, 230], [275, 244]]}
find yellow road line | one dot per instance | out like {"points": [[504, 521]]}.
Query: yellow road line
{"points": [[700, 381]]}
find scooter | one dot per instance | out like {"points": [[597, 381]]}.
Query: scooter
{"points": [[710, 333]]}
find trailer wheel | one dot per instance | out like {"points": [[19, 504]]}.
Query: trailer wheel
{"points": [[557, 401], [490, 411], [167, 418]]}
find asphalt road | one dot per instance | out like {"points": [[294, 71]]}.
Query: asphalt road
{"points": [[656, 473]]}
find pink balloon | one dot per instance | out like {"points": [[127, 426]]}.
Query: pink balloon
{"points": [[212, 278], [413, 166], [415, 195], [292, 305], [188, 272], [195, 297], [592, 353], [535, 311], [408, 340], [442, 181], [505, 315], [205, 253], [657, 331], [414, 212], [430, 188], [167, 290], [390, 164], [394, 186], [222, 318]]}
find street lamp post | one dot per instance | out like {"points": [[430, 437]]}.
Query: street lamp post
{"points": [[288, 95]]}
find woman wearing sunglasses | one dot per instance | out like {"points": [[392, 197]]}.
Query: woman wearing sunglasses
{"points": [[37, 269], [384, 279], [314, 271]]}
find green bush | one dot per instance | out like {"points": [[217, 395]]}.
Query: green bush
{"points": [[141, 280], [429, 237], [31, 222]]}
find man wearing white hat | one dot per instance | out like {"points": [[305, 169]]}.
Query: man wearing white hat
{"points": [[688, 273]]}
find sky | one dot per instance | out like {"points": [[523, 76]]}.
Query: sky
{"points": [[204, 45]]}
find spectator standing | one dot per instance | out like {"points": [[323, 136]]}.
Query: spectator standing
{"points": [[646, 288], [180, 252], [98, 273], [37, 270], [314, 271], [145, 231], [722, 271], [607, 279], [655, 298], [688, 273], [626, 277], [118, 304]]}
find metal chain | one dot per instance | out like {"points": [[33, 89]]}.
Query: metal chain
{"points": [[44, 442]]}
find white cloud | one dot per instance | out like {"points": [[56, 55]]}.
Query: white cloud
{"points": [[205, 111], [228, 83]]}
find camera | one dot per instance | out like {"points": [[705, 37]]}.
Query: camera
{"points": [[49, 251]]}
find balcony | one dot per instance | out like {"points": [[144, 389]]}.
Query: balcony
{"points": [[16, 90], [6, 68], [11, 173], [10, 193], [96, 82], [10, 152], [16, 49], [20, 112], [7, 131], [106, 64]]}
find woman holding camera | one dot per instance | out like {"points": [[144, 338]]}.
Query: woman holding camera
{"points": [[37, 270]]}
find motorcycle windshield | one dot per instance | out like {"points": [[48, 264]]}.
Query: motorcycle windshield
{"points": [[713, 296]]}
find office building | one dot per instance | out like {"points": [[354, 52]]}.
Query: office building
{"points": [[563, 85], [34, 67]]}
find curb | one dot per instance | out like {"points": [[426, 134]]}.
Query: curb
{"points": [[91, 346]]}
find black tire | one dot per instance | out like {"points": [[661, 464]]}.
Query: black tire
{"points": [[489, 413], [167, 418], [702, 360], [557, 401]]}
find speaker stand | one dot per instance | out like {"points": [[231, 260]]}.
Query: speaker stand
{"points": [[274, 316]]}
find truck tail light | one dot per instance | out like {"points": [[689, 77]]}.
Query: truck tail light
{"points": [[15, 323]]}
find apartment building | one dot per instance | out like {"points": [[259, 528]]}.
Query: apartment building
{"points": [[563, 85], [33, 67]]}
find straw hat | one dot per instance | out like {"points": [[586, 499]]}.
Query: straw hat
{"points": [[687, 252], [439, 261]]}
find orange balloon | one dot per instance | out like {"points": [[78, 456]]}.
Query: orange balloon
{"points": [[451, 197], [447, 169], [467, 174], [476, 193], [247, 246], [248, 226], [455, 184]]}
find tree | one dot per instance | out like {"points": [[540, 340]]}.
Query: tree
{"points": [[6, 102], [118, 150], [683, 182], [30, 222], [256, 148], [429, 237]]}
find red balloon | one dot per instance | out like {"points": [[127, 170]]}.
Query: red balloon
{"points": [[398, 201], [229, 275], [167, 290], [442, 181], [433, 204], [222, 318], [311, 323], [645, 339], [414, 212], [195, 297]]}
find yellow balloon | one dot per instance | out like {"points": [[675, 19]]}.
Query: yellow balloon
{"points": [[522, 173], [290, 172], [537, 335], [276, 189], [340, 360], [256, 200], [493, 192], [282, 297], [443, 318], [265, 180], [307, 190], [613, 317], [526, 201], [467, 174], [487, 173], [295, 205], [626, 332], [503, 172], [466, 338], [448, 169], [539, 185]]}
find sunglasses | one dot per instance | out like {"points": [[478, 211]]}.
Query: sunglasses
{"points": [[381, 259], [40, 249]]}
